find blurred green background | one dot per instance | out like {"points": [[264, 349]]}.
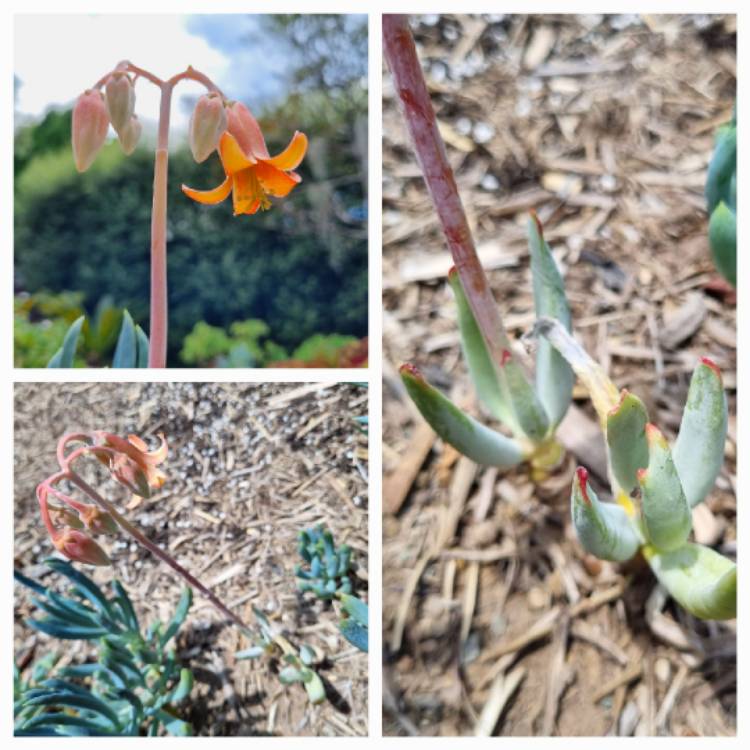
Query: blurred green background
{"points": [[287, 284]]}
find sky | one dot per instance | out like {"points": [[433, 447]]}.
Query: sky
{"points": [[79, 49]]}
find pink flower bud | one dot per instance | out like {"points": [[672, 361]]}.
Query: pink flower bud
{"points": [[246, 131], [90, 123], [65, 517], [80, 547], [207, 123], [130, 135], [120, 96], [128, 473]]}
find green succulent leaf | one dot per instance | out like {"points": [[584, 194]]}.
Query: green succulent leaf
{"points": [[699, 449], [666, 515], [626, 437], [355, 608], [354, 632], [314, 687], [184, 686], [126, 350], [604, 529], [554, 376], [700, 579], [141, 341], [469, 437], [65, 355], [186, 599], [722, 236], [723, 166], [88, 702], [478, 359]]}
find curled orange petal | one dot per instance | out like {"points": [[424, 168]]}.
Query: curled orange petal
{"points": [[292, 155], [210, 197], [233, 158], [274, 181]]}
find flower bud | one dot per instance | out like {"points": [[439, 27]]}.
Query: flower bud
{"points": [[130, 135], [65, 517], [120, 96], [246, 131], [99, 521], [128, 473], [80, 547], [90, 123], [207, 123]]}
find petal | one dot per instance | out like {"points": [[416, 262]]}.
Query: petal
{"points": [[244, 127], [217, 195], [245, 194], [232, 156], [292, 155], [275, 181]]}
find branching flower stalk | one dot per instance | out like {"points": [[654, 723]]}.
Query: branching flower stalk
{"points": [[216, 124], [133, 466], [531, 412]]}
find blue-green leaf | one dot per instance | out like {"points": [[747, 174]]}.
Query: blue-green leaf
{"points": [[355, 633], [126, 350], [65, 355], [700, 579], [141, 359], [626, 437], [473, 439], [179, 616], [554, 376]]}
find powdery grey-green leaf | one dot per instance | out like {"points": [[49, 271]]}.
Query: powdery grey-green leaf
{"points": [[626, 437], [700, 579], [699, 448], [465, 434], [722, 236], [481, 367], [604, 529], [554, 376], [64, 356], [666, 515]]}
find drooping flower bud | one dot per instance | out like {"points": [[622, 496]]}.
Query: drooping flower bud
{"points": [[99, 521], [130, 135], [246, 131], [89, 130], [65, 517], [207, 123], [120, 96], [80, 547]]}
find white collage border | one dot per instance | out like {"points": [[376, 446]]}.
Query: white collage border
{"points": [[374, 375]]}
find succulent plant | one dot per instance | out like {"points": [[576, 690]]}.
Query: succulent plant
{"points": [[530, 412], [133, 685], [654, 485], [328, 578], [721, 197]]}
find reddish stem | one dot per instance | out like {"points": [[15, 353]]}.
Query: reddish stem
{"points": [[401, 54]]}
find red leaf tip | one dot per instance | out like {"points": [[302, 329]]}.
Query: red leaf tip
{"points": [[538, 223], [411, 370], [583, 478], [641, 475], [505, 357], [623, 395], [710, 363], [453, 271]]}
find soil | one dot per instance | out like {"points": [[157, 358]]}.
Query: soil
{"points": [[604, 126], [249, 467]]}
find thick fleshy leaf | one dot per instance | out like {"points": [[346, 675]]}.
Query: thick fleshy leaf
{"points": [[355, 633], [355, 608], [665, 511], [465, 434], [184, 686], [126, 350], [76, 700], [699, 449], [186, 599], [700, 579], [602, 390], [64, 356], [554, 376], [478, 359], [626, 437], [316, 692], [530, 413], [604, 529], [722, 236], [722, 167], [141, 359]]}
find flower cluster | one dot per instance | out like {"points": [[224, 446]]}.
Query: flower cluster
{"points": [[71, 522]]}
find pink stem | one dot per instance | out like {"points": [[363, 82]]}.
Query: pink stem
{"points": [[143, 540], [401, 54]]}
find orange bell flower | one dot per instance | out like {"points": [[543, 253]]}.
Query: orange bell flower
{"points": [[252, 174]]}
